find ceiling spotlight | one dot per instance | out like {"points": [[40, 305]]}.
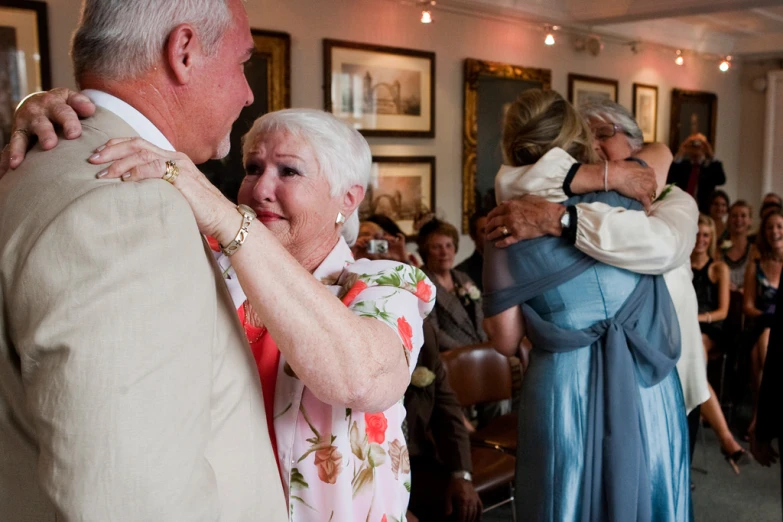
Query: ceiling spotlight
{"points": [[679, 60], [426, 16], [725, 64], [550, 37]]}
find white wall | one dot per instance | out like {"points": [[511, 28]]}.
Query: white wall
{"points": [[455, 37]]}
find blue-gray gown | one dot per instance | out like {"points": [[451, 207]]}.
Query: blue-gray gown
{"points": [[557, 399]]}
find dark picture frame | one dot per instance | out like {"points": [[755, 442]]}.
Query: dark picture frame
{"points": [[394, 191], [645, 110], [489, 87], [381, 91], [584, 89], [25, 65], [692, 111], [269, 75]]}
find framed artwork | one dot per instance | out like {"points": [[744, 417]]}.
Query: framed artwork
{"points": [[401, 187], [269, 75], [381, 91], [645, 110], [490, 87], [692, 112], [24, 57], [586, 89]]}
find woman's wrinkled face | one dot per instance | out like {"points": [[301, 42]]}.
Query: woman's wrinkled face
{"points": [[285, 186], [718, 208], [703, 239], [774, 232], [609, 146], [739, 220], [440, 252]]}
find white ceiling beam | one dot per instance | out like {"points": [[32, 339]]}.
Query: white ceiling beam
{"points": [[602, 13]]}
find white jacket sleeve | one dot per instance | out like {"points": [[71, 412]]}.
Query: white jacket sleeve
{"points": [[631, 239]]}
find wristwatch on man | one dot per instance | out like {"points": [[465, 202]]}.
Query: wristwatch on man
{"points": [[462, 475]]}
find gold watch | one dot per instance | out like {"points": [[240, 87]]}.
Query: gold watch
{"points": [[248, 215]]}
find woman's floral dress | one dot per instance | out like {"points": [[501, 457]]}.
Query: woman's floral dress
{"points": [[340, 465]]}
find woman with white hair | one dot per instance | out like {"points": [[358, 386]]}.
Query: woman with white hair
{"points": [[335, 339]]}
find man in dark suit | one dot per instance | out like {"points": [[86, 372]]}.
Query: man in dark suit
{"points": [[438, 444], [769, 419], [474, 265], [696, 171]]}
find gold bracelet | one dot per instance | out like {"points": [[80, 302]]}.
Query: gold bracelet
{"points": [[248, 215]]}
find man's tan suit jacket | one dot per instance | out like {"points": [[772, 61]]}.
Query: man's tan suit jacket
{"points": [[127, 391]]}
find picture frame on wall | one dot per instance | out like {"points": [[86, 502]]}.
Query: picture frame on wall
{"points": [[645, 110], [24, 57], [401, 188], [587, 89], [490, 87], [380, 91], [692, 112], [269, 75]]}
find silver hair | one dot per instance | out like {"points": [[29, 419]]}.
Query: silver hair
{"points": [[342, 153], [612, 112], [119, 39]]}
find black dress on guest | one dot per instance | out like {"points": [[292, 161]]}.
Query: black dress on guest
{"points": [[708, 297]]}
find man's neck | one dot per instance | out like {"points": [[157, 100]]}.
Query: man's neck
{"points": [[143, 95]]}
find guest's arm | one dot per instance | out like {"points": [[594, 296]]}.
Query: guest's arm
{"points": [[749, 292], [724, 295], [506, 330]]}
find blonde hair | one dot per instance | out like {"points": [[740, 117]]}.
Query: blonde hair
{"points": [[538, 121], [707, 221]]}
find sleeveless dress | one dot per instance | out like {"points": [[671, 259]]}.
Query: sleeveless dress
{"points": [[708, 299], [737, 268], [556, 396]]}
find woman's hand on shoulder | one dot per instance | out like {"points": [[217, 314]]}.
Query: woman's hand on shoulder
{"points": [[135, 159], [37, 117], [634, 181]]}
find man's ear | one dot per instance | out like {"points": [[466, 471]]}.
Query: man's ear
{"points": [[183, 49], [352, 199]]}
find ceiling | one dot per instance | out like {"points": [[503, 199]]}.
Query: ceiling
{"points": [[751, 28]]}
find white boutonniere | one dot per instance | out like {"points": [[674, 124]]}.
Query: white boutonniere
{"points": [[422, 377], [665, 192], [469, 291]]}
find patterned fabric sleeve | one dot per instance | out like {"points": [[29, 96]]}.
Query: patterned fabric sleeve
{"points": [[399, 295]]}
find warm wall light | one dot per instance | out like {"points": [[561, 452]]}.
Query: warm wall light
{"points": [[679, 60], [426, 17], [550, 39], [550, 36], [725, 65]]}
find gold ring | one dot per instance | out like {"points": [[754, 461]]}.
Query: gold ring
{"points": [[504, 231], [22, 131], [172, 171], [652, 196]]}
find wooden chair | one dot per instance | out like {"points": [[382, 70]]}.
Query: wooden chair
{"points": [[479, 374]]}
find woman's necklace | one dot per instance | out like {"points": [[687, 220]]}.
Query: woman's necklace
{"points": [[249, 321]]}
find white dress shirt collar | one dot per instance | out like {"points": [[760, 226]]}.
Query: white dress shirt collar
{"points": [[131, 116]]}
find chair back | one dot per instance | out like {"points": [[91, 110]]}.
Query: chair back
{"points": [[478, 374]]}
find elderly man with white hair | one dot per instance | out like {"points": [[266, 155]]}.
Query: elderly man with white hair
{"points": [[127, 391]]}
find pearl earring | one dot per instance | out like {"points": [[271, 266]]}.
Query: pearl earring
{"points": [[340, 219]]}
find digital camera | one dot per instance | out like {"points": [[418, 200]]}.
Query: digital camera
{"points": [[378, 246]]}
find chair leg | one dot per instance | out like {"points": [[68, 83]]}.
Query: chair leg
{"points": [[722, 379], [513, 503]]}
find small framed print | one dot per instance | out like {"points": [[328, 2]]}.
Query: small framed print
{"points": [[586, 89], [692, 112], [645, 110], [380, 91], [401, 188], [24, 57]]}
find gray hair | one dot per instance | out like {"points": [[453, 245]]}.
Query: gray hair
{"points": [[342, 153], [612, 112], [119, 39]]}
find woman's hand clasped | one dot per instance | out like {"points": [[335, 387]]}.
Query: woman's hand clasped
{"points": [[134, 159]]}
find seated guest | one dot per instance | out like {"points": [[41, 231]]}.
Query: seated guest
{"points": [[474, 265], [738, 249], [719, 212], [711, 282], [696, 171], [377, 227], [438, 444], [762, 278], [457, 316]]}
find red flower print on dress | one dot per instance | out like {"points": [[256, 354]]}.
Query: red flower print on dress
{"points": [[406, 333], [329, 463], [357, 288], [384, 518], [375, 425], [423, 291]]}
